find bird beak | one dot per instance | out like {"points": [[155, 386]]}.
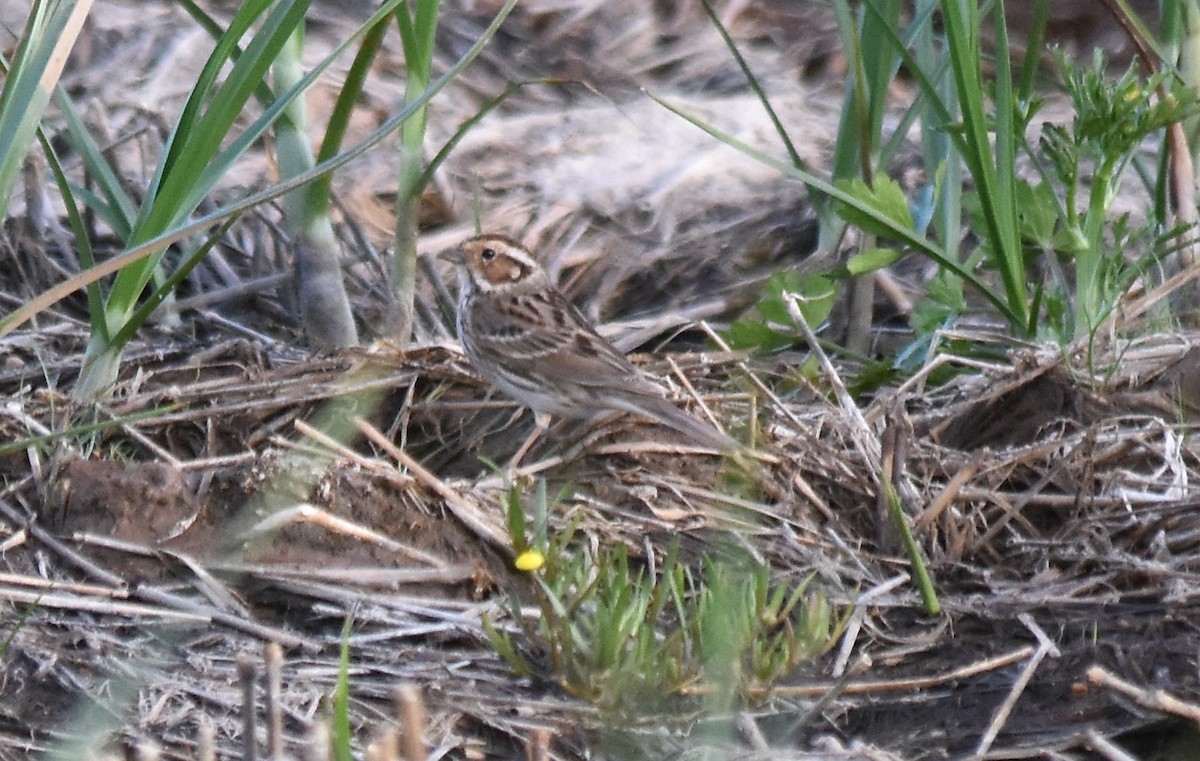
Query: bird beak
{"points": [[453, 255]]}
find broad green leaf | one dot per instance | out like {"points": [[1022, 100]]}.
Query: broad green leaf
{"points": [[872, 259], [1037, 213], [752, 335], [887, 198]]}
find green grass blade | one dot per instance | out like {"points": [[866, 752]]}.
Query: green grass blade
{"points": [[220, 164], [341, 739], [202, 18], [141, 251], [343, 108], [50, 32], [469, 124], [755, 85], [1033, 48], [179, 143], [993, 180], [1012, 269], [908, 237], [168, 286], [83, 241], [86, 429], [181, 192], [209, 24], [920, 571], [119, 210]]}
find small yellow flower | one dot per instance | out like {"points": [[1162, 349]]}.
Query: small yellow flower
{"points": [[530, 560]]}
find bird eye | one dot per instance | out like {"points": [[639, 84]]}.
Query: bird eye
{"points": [[487, 254]]}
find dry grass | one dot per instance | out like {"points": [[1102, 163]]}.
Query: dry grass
{"points": [[1078, 523]]}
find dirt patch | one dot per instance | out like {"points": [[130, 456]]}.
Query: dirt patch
{"points": [[344, 519], [140, 502]]}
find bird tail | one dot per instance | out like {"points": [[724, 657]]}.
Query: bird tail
{"points": [[665, 412]]}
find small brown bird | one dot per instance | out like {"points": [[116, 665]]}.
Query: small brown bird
{"points": [[522, 334]]}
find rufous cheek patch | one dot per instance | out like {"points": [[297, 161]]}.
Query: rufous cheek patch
{"points": [[505, 270]]}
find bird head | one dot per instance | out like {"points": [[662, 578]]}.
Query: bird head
{"points": [[496, 263]]}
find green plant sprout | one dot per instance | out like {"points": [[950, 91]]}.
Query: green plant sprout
{"points": [[1112, 119], [638, 643]]}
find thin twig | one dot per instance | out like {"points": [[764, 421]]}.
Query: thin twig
{"points": [[412, 722], [538, 747], [1105, 747], [864, 437], [311, 514], [898, 685], [895, 495], [206, 739], [317, 746], [247, 674], [375, 466], [58, 548], [273, 655], [459, 506], [1045, 647], [1157, 700]]}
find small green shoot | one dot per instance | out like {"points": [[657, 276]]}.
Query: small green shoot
{"points": [[417, 20], [340, 739], [82, 430], [1112, 118], [16, 627]]}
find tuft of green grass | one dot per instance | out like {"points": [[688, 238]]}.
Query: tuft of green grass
{"points": [[641, 642], [1048, 256], [200, 149], [208, 138]]}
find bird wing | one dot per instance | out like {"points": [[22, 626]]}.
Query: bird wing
{"points": [[546, 329]]}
